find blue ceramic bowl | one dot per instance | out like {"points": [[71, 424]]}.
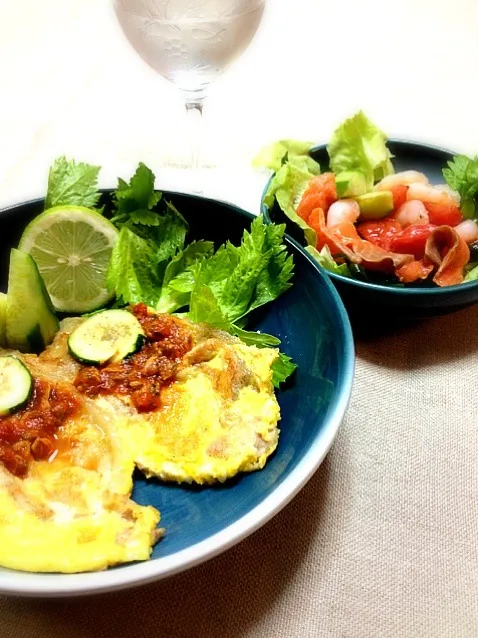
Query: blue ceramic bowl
{"points": [[373, 301], [201, 522]]}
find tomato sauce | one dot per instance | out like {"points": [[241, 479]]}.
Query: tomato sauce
{"points": [[29, 434], [142, 375]]}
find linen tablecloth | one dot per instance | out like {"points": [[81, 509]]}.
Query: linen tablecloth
{"points": [[382, 542]]}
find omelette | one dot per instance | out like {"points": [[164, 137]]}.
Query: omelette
{"points": [[191, 404]]}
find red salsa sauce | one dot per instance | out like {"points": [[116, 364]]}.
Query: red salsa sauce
{"points": [[142, 375], [29, 434]]}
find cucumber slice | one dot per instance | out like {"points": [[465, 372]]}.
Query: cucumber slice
{"points": [[16, 385], [107, 336], [3, 319], [31, 322]]}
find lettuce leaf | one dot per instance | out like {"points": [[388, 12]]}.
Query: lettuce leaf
{"points": [[462, 176], [273, 155], [472, 275], [325, 259], [287, 187], [358, 145], [72, 184]]}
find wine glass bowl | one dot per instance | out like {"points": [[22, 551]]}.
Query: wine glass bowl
{"points": [[190, 42]]}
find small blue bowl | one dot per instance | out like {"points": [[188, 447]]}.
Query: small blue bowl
{"points": [[201, 522], [373, 302]]}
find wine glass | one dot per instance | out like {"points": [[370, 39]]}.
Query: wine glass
{"points": [[190, 42]]}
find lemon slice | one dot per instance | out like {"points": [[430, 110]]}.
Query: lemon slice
{"points": [[72, 246]]}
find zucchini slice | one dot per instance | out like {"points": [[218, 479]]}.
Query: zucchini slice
{"points": [[106, 337], [16, 385], [31, 322], [3, 320]]}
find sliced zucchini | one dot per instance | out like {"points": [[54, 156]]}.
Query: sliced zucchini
{"points": [[31, 322], [3, 319], [108, 336], [16, 385]]}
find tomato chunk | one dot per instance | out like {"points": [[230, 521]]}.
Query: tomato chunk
{"points": [[399, 193], [443, 214], [412, 240], [379, 232]]}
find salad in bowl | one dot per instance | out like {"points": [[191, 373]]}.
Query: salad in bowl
{"points": [[377, 212]]}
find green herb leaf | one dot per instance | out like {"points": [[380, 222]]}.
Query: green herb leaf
{"points": [[132, 273], [205, 307], [259, 339], [282, 368], [245, 277], [135, 200], [462, 176], [72, 184], [358, 145], [180, 276]]}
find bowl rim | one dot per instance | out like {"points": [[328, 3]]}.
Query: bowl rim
{"points": [[32, 585], [449, 291]]}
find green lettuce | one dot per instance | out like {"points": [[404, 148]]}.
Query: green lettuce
{"points": [[325, 259], [273, 155], [472, 275], [287, 187], [358, 146]]}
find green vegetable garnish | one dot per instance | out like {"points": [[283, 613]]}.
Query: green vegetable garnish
{"points": [[358, 146], [325, 259], [72, 184], [471, 275], [462, 176], [151, 263], [287, 187], [273, 155], [136, 200]]}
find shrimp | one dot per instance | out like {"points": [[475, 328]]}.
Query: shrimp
{"points": [[431, 194], [468, 231], [412, 212], [446, 189], [405, 178], [345, 210]]}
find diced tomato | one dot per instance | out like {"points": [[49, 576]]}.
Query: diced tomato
{"points": [[399, 193], [380, 232], [412, 240], [443, 214]]}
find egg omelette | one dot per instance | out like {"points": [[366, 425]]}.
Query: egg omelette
{"points": [[193, 405]]}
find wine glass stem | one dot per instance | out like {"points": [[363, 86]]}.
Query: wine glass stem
{"points": [[194, 108]]}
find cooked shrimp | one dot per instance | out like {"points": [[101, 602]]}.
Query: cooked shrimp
{"points": [[345, 210], [413, 212], [446, 189], [468, 231], [430, 194], [405, 178]]}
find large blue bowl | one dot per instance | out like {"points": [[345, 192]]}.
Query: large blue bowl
{"points": [[202, 522], [372, 302]]}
